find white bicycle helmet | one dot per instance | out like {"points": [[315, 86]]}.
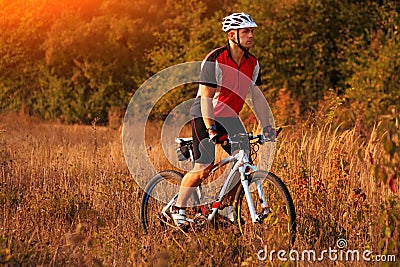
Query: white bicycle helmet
{"points": [[238, 21]]}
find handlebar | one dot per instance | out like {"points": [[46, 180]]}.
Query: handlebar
{"points": [[259, 138], [186, 144]]}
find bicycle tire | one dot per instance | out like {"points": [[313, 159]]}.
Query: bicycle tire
{"points": [[151, 207], [278, 228]]}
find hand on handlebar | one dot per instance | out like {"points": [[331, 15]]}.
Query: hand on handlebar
{"points": [[218, 138], [269, 133]]}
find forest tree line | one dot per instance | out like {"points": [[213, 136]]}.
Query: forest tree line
{"points": [[74, 61]]}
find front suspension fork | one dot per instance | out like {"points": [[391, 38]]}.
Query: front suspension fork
{"points": [[246, 187]]}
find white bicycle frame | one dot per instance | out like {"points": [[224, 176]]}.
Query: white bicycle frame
{"points": [[242, 164]]}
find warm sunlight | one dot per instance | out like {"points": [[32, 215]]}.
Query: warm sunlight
{"points": [[111, 109]]}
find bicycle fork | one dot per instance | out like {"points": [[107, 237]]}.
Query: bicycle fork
{"points": [[245, 183]]}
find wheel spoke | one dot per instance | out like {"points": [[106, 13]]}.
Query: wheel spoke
{"points": [[277, 227]]}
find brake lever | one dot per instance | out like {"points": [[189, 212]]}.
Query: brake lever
{"points": [[262, 139], [278, 130]]}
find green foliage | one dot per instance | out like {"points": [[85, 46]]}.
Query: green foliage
{"points": [[23, 30], [187, 34], [74, 60], [98, 58], [304, 45], [390, 222], [77, 60], [387, 166], [375, 85]]}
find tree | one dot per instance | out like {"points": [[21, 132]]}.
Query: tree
{"points": [[21, 56], [305, 45], [189, 31], [73, 60], [375, 84], [98, 59]]}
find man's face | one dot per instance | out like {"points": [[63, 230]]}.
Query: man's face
{"points": [[245, 37]]}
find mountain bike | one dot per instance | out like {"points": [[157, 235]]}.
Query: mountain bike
{"points": [[263, 206]]}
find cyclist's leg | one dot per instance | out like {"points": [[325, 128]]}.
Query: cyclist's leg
{"points": [[204, 153], [231, 126], [190, 181]]}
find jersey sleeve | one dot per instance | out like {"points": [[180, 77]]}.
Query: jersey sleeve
{"points": [[207, 74], [256, 75]]}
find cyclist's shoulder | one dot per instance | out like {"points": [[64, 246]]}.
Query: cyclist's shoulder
{"points": [[216, 53]]}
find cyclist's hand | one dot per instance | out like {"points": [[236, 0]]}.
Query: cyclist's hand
{"points": [[218, 138], [213, 136], [269, 133], [222, 139]]}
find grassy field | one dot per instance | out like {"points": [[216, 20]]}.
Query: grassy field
{"points": [[68, 199]]}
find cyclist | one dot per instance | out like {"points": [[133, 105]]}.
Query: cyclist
{"points": [[228, 75]]}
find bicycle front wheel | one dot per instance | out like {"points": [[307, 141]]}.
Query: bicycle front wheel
{"points": [[277, 224], [159, 190]]}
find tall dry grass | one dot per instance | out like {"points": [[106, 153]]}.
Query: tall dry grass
{"points": [[68, 199]]}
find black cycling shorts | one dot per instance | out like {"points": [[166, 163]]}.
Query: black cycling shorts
{"points": [[203, 148]]}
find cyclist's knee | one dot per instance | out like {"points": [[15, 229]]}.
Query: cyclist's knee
{"points": [[202, 170], [205, 173]]}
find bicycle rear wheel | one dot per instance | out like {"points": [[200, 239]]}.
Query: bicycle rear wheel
{"points": [[161, 188], [277, 228]]}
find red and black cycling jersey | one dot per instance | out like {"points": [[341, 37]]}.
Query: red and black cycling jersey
{"points": [[230, 80]]}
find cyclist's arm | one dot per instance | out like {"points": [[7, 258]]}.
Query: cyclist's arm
{"points": [[207, 110], [261, 107]]}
